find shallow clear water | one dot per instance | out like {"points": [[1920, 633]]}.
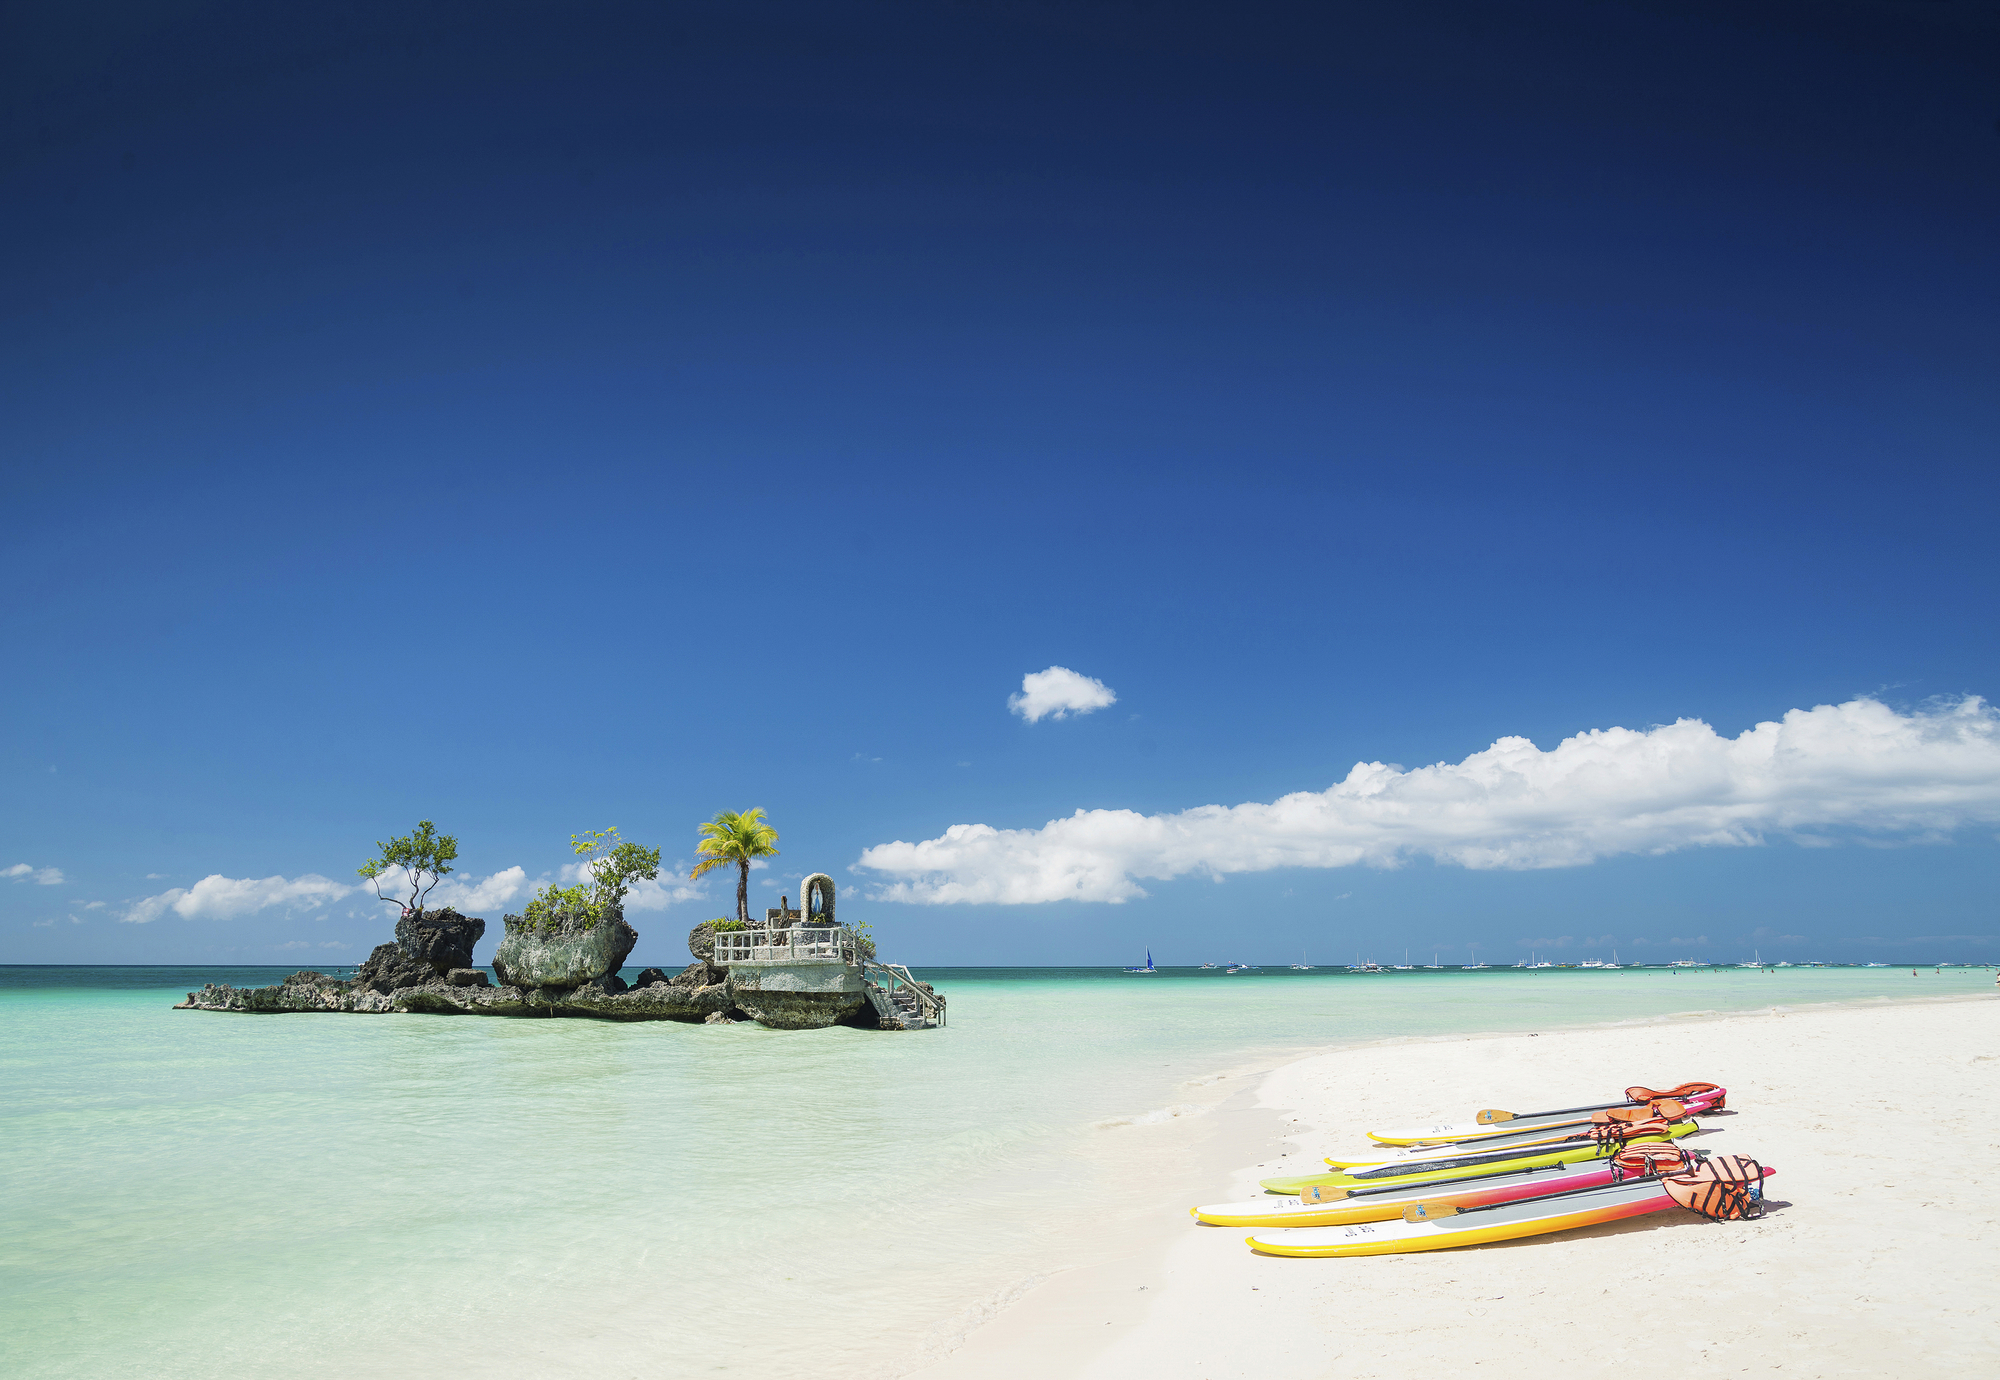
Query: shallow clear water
{"points": [[197, 1193]]}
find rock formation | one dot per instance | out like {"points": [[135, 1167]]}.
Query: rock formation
{"points": [[442, 938], [429, 945], [565, 968], [566, 951]]}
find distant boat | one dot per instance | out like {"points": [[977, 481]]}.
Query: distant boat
{"points": [[1241, 968], [1369, 967], [1470, 967], [1146, 971], [1207, 965], [1758, 962], [1614, 960], [1685, 963], [1874, 965], [1302, 966], [1434, 964]]}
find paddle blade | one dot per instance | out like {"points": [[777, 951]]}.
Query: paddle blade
{"points": [[1428, 1212], [1493, 1114], [1321, 1193]]}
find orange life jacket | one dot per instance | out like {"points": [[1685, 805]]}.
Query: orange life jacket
{"points": [[1644, 1161], [1722, 1188], [1683, 1091]]}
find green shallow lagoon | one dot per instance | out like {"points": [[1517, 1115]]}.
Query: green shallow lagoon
{"points": [[193, 1193]]}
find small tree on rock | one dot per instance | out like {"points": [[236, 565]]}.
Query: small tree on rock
{"points": [[424, 857]]}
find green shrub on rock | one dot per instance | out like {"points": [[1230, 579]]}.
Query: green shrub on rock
{"points": [[610, 866]]}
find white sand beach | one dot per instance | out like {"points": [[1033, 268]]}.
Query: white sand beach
{"points": [[1879, 1255]]}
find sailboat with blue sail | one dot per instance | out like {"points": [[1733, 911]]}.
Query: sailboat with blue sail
{"points": [[1146, 971]]}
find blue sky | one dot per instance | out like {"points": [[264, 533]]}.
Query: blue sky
{"points": [[538, 418]]}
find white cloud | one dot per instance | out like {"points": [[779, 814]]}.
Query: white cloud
{"points": [[43, 924], [297, 944], [216, 897], [1057, 693], [333, 944], [655, 895], [661, 894], [40, 876], [1859, 766], [470, 895]]}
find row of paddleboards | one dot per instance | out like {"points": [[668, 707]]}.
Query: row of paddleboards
{"points": [[1496, 1178]]}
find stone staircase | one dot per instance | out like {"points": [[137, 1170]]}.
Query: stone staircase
{"points": [[900, 1002]]}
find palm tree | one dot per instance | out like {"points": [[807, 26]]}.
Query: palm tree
{"points": [[736, 838]]}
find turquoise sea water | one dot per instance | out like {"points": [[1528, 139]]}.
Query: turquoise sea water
{"points": [[192, 1193]]}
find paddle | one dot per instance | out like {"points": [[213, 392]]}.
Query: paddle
{"points": [[1663, 1111], [1431, 1212], [1682, 1091], [1641, 1131], [1659, 1106], [1656, 1161]]}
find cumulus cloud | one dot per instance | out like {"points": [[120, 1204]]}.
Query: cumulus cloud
{"points": [[1057, 693], [470, 895], [672, 886], [1853, 769], [216, 897], [40, 876]]}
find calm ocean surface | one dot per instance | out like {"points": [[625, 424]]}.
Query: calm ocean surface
{"points": [[200, 1194]]}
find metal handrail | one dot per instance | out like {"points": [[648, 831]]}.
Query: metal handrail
{"points": [[930, 1001]]}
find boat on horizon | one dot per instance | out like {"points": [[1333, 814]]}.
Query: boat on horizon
{"points": [[1302, 966], [1146, 971]]}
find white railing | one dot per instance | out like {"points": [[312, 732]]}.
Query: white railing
{"points": [[834, 944]]}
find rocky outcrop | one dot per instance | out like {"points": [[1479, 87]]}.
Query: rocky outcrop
{"points": [[388, 968], [795, 1010], [441, 938], [656, 1002], [659, 1001], [701, 941], [303, 991], [467, 977], [568, 951]]}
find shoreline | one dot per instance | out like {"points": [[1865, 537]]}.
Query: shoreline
{"points": [[1175, 1299]]}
